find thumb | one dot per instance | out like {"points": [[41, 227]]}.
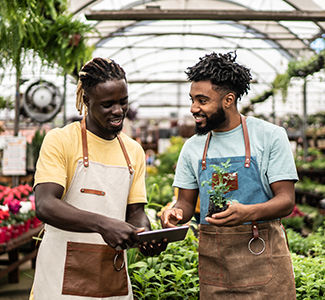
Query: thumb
{"points": [[140, 229], [178, 213]]}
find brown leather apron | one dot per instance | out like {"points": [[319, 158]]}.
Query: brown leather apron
{"points": [[249, 261], [73, 265]]}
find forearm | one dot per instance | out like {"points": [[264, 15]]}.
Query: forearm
{"points": [[67, 217], [186, 201], [277, 207], [136, 216], [187, 208]]}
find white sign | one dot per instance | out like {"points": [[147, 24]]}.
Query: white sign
{"points": [[14, 156]]}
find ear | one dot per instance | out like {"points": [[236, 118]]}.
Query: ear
{"points": [[229, 100]]}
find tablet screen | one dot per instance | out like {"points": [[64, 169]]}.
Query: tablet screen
{"points": [[171, 234]]}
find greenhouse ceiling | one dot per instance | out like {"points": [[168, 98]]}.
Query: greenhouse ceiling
{"points": [[155, 41]]}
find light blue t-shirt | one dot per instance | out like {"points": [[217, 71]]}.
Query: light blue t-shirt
{"points": [[269, 145]]}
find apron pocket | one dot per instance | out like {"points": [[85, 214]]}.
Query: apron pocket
{"points": [[94, 270], [226, 261]]}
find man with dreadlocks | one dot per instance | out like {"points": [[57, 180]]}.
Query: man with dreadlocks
{"points": [[90, 192], [243, 252]]}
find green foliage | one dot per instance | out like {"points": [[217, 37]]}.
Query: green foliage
{"points": [[309, 277], [160, 190], [314, 160], [37, 143], [263, 97], [299, 68], [308, 185], [172, 275], [169, 158], [6, 103], [295, 223], [281, 82], [43, 28], [219, 185], [312, 245], [159, 186]]}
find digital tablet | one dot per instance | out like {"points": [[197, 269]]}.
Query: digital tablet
{"points": [[171, 234]]}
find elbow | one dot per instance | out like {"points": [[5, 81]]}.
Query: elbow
{"points": [[41, 211], [290, 206]]}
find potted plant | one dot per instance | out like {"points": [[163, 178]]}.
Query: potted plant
{"points": [[220, 183]]}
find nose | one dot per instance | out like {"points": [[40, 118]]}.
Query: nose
{"points": [[117, 109], [194, 107]]}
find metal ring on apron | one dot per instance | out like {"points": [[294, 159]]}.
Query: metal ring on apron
{"points": [[250, 249], [115, 260]]}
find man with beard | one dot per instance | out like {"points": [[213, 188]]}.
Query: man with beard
{"points": [[90, 192], [243, 252]]}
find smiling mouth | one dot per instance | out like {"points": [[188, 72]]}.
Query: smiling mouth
{"points": [[199, 118], [116, 122]]}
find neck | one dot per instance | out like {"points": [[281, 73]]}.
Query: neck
{"points": [[232, 121]]}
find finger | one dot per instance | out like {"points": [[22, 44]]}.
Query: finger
{"points": [[174, 214], [134, 238], [119, 247], [222, 215], [140, 229]]}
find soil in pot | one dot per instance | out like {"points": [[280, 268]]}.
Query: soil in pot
{"points": [[216, 209]]}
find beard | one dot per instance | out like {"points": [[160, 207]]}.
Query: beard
{"points": [[213, 122]]}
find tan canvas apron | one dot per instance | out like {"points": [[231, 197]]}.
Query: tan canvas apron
{"points": [[250, 261], [73, 265]]}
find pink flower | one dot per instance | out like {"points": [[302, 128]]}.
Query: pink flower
{"points": [[8, 199], [14, 206], [31, 198]]}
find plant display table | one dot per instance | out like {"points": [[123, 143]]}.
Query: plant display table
{"points": [[12, 247]]}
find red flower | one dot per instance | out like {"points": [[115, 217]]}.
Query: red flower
{"points": [[4, 214]]}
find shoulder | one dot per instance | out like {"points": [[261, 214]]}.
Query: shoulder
{"points": [[195, 140], [193, 147], [264, 127], [131, 144], [62, 139], [65, 133]]}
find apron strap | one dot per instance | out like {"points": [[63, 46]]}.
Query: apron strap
{"points": [[85, 147], [204, 162], [246, 141], [84, 143], [125, 154]]}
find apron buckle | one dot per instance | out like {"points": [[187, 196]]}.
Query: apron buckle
{"points": [[118, 268], [256, 237]]}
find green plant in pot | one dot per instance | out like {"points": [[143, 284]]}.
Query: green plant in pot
{"points": [[220, 184]]}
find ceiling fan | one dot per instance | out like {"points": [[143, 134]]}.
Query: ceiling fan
{"points": [[42, 101]]}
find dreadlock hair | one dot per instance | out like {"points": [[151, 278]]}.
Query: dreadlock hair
{"points": [[223, 72], [93, 72]]}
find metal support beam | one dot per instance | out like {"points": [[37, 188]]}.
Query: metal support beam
{"points": [[148, 81], [193, 14]]}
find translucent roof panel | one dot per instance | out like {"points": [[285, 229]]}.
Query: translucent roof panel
{"points": [[156, 52]]}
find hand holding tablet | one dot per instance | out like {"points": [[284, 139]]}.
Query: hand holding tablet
{"points": [[171, 234]]}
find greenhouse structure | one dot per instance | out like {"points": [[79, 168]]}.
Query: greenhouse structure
{"points": [[45, 44]]}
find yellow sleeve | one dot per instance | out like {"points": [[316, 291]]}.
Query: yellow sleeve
{"points": [[51, 164], [138, 188], [197, 207]]}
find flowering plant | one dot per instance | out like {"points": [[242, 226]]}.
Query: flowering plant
{"points": [[17, 211]]}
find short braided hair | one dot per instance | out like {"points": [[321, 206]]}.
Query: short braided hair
{"points": [[223, 72], [93, 72]]}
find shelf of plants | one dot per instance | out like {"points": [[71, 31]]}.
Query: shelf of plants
{"points": [[17, 212]]}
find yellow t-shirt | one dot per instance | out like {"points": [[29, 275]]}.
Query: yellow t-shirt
{"points": [[62, 149]]}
